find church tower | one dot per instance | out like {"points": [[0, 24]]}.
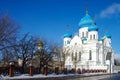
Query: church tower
{"points": [[85, 48], [107, 40], [67, 39], [93, 32], [84, 23]]}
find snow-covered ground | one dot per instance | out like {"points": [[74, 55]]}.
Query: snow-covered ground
{"points": [[26, 76]]}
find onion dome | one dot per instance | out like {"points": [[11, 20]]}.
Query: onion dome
{"points": [[40, 44], [93, 27], [68, 35], [107, 35], [86, 21], [84, 39]]}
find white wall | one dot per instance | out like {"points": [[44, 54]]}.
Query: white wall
{"points": [[83, 30], [92, 33], [65, 41]]}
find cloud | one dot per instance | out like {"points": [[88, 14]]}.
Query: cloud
{"points": [[113, 10]]}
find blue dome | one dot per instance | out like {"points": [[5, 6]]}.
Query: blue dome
{"points": [[93, 27], [85, 21], [107, 35], [67, 35]]}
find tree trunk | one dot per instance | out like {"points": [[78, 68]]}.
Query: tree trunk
{"points": [[23, 65]]}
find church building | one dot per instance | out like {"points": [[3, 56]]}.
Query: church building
{"points": [[87, 50]]}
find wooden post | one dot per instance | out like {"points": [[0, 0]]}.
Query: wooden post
{"points": [[57, 70], [11, 69], [65, 70], [30, 70], [45, 70], [83, 70], [79, 71]]}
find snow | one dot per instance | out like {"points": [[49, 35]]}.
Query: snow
{"points": [[19, 76]]}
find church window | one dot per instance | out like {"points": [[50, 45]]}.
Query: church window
{"points": [[90, 55], [86, 34], [72, 56], [94, 36], [90, 37], [79, 56], [98, 55], [82, 34], [68, 42], [75, 43], [76, 56]]}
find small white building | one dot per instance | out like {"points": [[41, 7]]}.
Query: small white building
{"points": [[86, 49]]}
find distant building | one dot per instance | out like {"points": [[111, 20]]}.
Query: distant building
{"points": [[86, 49]]}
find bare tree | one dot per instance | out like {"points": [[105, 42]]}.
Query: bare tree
{"points": [[26, 49], [45, 55], [62, 57], [116, 62], [8, 32], [8, 55], [64, 53], [8, 36], [68, 51]]}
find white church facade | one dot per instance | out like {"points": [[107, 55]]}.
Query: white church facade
{"points": [[85, 50]]}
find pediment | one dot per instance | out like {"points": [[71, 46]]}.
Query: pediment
{"points": [[76, 40]]}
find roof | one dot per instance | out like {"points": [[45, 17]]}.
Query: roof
{"points": [[68, 35], [85, 21], [108, 35], [93, 27]]}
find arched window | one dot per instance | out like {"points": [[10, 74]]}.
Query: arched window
{"points": [[79, 56], [90, 55], [82, 34], [94, 36], [72, 56], [86, 34], [98, 55], [68, 42], [90, 37], [76, 56]]}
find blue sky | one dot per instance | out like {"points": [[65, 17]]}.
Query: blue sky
{"points": [[50, 17]]}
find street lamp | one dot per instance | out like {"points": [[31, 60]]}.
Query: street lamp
{"points": [[40, 48]]}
